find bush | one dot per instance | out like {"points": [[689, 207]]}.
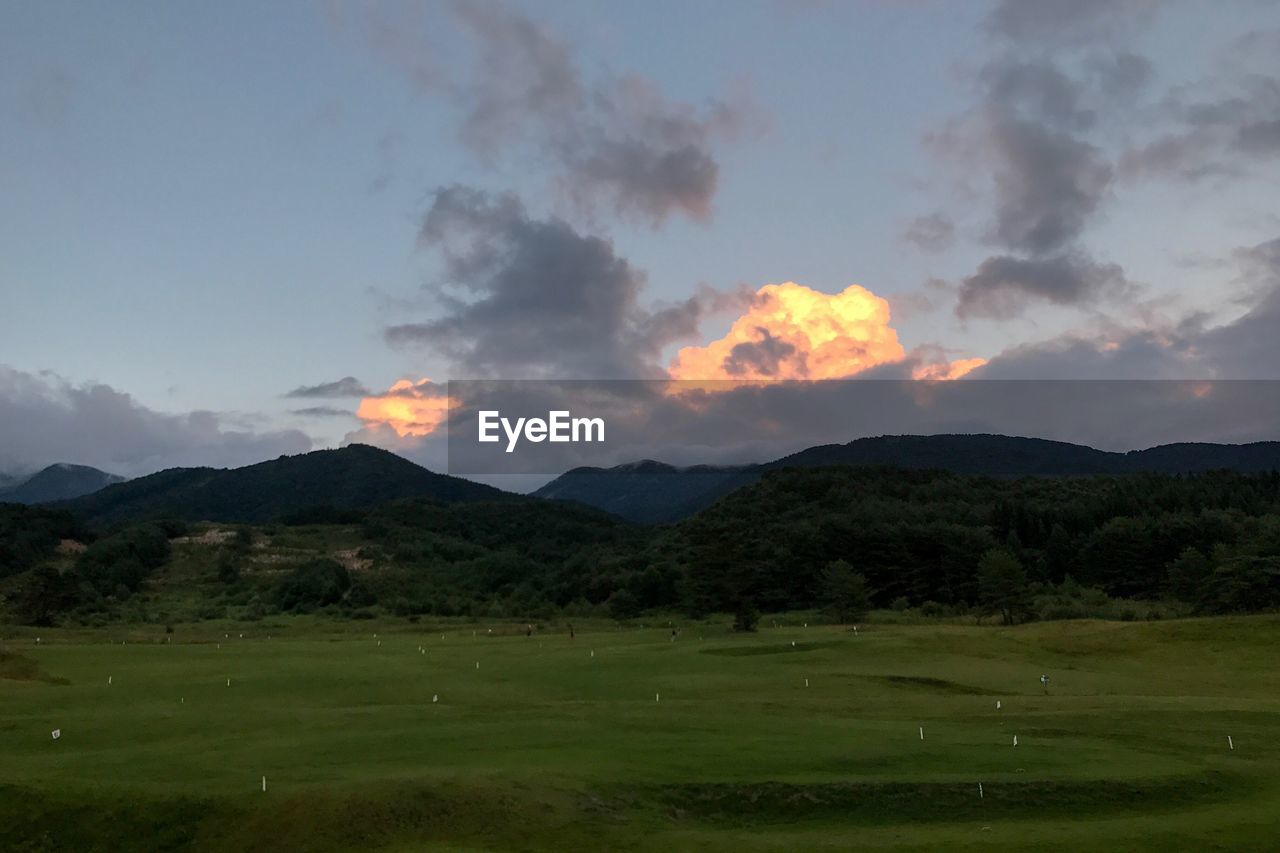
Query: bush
{"points": [[313, 584]]}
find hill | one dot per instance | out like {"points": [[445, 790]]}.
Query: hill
{"points": [[651, 492], [57, 483], [347, 478]]}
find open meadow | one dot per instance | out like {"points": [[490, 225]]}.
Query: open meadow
{"points": [[435, 737]]}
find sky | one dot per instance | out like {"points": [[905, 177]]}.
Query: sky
{"points": [[231, 231]]}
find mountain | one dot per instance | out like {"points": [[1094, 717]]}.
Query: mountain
{"points": [[652, 492], [57, 483], [649, 492], [353, 476]]}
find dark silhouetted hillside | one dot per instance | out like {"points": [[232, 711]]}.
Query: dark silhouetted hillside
{"points": [[58, 482], [652, 492], [351, 477]]}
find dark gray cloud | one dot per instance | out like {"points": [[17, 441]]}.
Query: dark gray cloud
{"points": [[1039, 89], [45, 419], [617, 144], [323, 412], [1032, 146], [533, 298], [932, 233], [347, 386], [1068, 23], [1003, 285], [760, 357], [1225, 126], [1244, 348], [1047, 184]]}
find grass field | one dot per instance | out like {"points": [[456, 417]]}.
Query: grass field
{"points": [[712, 741]]}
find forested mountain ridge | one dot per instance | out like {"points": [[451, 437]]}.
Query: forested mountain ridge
{"points": [[653, 492], [351, 477]]}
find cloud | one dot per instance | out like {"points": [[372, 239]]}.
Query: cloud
{"points": [[1047, 183], [323, 412], [790, 331], [1246, 348], [616, 143], [1223, 126], [1030, 147], [535, 298], [1003, 285], [932, 233], [408, 408], [1055, 23], [45, 418], [347, 386]]}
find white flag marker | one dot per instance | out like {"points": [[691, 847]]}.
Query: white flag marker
{"points": [[806, 682], [108, 681], [264, 784], [435, 697], [477, 664], [980, 791], [593, 652], [997, 704], [1230, 743], [657, 697], [228, 682], [922, 733], [1015, 740], [57, 733]]}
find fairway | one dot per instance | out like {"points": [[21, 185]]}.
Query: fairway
{"points": [[622, 738]]}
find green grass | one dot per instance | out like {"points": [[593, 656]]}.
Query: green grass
{"points": [[547, 747]]}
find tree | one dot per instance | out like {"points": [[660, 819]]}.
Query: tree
{"points": [[844, 592], [623, 605], [1002, 585], [1188, 574], [746, 617], [313, 584]]}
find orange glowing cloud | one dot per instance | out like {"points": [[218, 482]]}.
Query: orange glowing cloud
{"points": [[410, 408], [947, 370], [794, 332]]}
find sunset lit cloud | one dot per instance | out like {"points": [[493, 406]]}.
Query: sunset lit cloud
{"points": [[794, 332], [410, 408]]}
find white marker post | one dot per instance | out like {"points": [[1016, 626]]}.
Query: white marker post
{"points": [[806, 682], [435, 697], [980, 796], [657, 698], [922, 733], [57, 733], [264, 784], [477, 664], [228, 682], [593, 652], [1015, 740], [1230, 743], [108, 681], [997, 704]]}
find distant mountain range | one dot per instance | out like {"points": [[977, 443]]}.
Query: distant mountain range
{"points": [[56, 483], [653, 492], [351, 477]]}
